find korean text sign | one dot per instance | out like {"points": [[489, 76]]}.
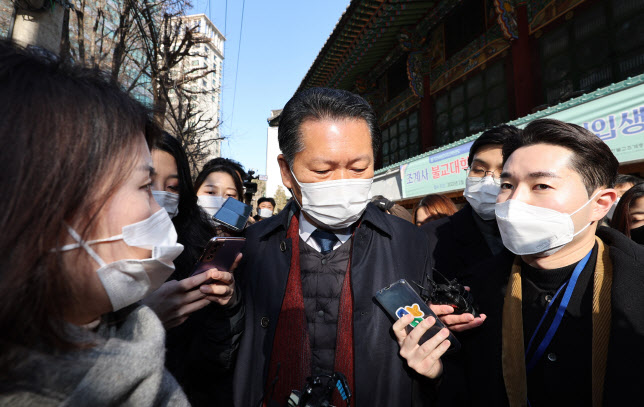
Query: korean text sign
{"points": [[617, 118], [441, 172]]}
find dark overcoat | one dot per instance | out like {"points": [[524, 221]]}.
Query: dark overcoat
{"points": [[483, 382], [385, 249], [456, 244]]}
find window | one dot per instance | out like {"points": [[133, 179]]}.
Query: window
{"points": [[195, 62], [472, 106], [397, 80], [464, 25], [401, 140], [601, 45]]}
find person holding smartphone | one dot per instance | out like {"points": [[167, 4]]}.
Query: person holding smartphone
{"points": [[171, 187], [310, 273], [202, 315]]}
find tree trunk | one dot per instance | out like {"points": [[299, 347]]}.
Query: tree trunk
{"points": [[125, 23], [80, 22], [64, 38]]}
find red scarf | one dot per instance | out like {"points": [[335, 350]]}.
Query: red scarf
{"points": [[291, 345]]}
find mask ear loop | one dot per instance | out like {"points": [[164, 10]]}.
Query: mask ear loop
{"points": [[587, 202], [291, 189], [580, 208], [84, 245]]}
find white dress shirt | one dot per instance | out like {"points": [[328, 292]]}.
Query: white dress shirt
{"points": [[306, 228]]}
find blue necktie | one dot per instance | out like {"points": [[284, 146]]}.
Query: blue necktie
{"points": [[326, 240]]}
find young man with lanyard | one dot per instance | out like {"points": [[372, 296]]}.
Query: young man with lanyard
{"points": [[309, 273], [564, 314]]}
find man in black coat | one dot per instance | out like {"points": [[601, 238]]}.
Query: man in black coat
{"points": [[309, 274], [470, 236], [564, 322]]}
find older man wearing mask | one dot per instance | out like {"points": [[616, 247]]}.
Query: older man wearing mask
{"points": [[564, 323], [309, 274]]}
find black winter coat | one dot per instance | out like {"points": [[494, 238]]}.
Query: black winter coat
{"points": [[457, 244], [385, 249], [483, 382]]}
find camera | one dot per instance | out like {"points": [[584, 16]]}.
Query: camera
{"points": [[451, 293], [318, 391], [250, 188]]}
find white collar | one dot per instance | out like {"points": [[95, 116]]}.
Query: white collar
{"points": [[306, 228]]}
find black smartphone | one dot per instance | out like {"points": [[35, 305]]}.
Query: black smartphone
{"points": [[220, 253], [233, 214], [399, 299]]}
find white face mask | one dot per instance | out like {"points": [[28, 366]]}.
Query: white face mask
{"points": [[129, 280], [335, 204], [611, 211], [481, 194], [527, 229], [265, 213], [168, 201], [210, 203]]}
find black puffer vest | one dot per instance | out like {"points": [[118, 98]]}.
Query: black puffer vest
{"points": [[322, 278]]}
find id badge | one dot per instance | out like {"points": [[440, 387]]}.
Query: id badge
{"points": [[399, 299]]}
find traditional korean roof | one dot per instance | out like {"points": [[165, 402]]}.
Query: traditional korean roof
{"points": [[365, 36], [523, 121]]}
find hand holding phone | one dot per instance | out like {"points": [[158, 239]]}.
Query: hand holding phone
{"points": [[422, 337], [219, 259], [174, 301], [220, 253], [221, 288], [399, 299]]}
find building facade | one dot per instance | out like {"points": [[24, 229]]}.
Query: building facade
{"points": [[205, 65], [273, 174], [439, 73]]}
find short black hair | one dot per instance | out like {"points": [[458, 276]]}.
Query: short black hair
{"points": [[592, 158], [627, 179], [319, 104], [495, 136], [266, 199], [236, 165]]}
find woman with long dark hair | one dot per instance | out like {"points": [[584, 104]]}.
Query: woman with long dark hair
{"points": [[216, 183], [180, 296], [196, 329], [629, 213], [82, 241]]}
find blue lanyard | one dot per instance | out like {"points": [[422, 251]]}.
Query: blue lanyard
{"points": [[570, 286]]}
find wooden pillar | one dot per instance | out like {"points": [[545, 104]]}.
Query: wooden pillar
{"points": [[523, 66], [426, 118]]}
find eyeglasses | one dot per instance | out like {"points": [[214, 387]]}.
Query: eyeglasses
{"points": [[481, 173]]}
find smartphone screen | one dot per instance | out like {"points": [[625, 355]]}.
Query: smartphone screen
{"points": [[399, 299], [233, 214], [220, 253]]}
